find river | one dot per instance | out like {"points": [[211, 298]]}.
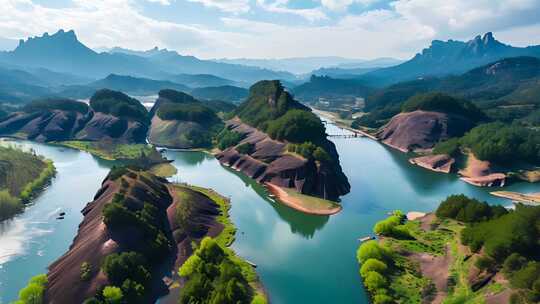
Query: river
{"points": [[300, 258]]}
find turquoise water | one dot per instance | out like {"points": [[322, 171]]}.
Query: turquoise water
{"points": [[300, 258]]}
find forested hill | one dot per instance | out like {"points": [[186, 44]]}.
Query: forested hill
{"points": [[506, 89]]}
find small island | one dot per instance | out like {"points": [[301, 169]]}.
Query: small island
{"points": [[280, 143], [22, 175], [465, 252]]}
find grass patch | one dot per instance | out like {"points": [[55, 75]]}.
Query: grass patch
{"points": [[311, 202], [164, 170], [109, 151]]}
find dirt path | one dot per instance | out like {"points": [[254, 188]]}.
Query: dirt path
{"points": [[436, 269]]}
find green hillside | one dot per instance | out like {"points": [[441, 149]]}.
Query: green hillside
{"points": [[21, 175]]}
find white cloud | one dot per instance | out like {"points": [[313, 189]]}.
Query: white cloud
{"points": [[162, 2], [105, 23], [280, 7], [341, 5], [230, 6], [401, 30]]}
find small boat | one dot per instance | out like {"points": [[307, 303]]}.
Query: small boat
{"points": [[62, 214], [60, 218], [366, 238], [251, 263]]}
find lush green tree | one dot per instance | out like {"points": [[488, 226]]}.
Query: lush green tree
{"points": [[33, 292], [297, 126], [382, 299], [503, 143], [372, 250], [228, 138], [374, 280], [465, 209], [513, 263], [112, 295], [126, 265], [373, 265]]}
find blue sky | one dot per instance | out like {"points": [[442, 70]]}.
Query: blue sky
{"points": [[275, 28]]}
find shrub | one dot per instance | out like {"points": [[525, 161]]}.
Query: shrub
{"points": [[462, 208], [513, 262], [374, 280], [382, 299], [526, 276], [372, 250], [297, 126], [373, 265], [485, 263], [33, 292], [112, 295], [246, 148], [214, 277], [86, 271], [9, 205], [228, 138], [449, 147], [126, 265]]}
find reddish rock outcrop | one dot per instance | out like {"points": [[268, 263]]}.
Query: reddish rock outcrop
{"points": [[438, 163], [421, 130], [481, 173], [271, 163], [94, 241], [59, 125]]}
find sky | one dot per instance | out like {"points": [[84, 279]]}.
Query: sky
{"points": [[274, 28]]}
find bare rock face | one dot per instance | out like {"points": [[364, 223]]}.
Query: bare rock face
{"points": [[421, 130], [54, 125], [438, 163], [60, 125], [270, 162]]}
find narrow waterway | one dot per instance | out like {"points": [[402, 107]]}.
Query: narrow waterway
{"points": [[300, 258]]}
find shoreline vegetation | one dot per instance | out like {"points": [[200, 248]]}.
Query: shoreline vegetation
{"points": [[224, 240], [303, 203], [144, 155], [442, 159], [465, 252], [24, 175]]}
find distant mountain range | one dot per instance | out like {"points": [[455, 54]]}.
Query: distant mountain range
{"points": [[310, 65], [449, 57], [63, 52]]}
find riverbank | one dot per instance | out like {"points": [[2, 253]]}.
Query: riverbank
{"points": [[525, 198], [23, 174], [143, 155], [222, 232], [303, 203], [426, 263]]}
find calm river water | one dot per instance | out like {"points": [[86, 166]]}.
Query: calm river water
{"points": [[300, 258]]}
